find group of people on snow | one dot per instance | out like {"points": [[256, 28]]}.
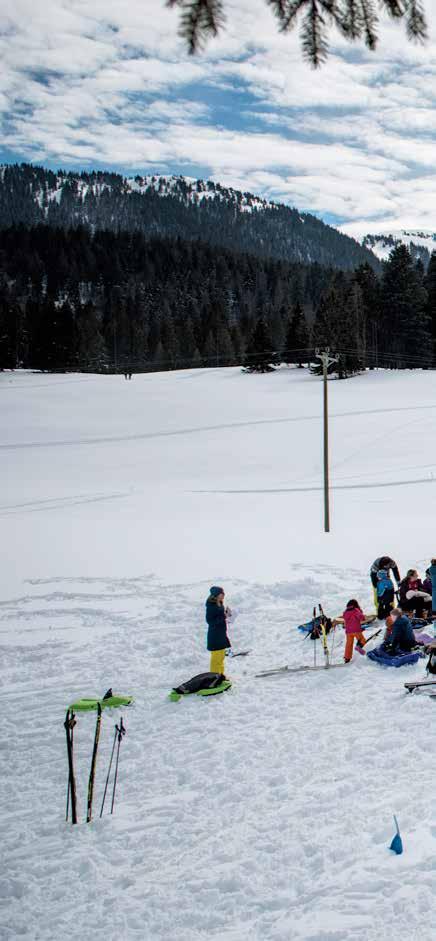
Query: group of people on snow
{"points": [[416, 598]]}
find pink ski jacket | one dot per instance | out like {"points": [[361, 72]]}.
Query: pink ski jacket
{"points": [[353, 619]]}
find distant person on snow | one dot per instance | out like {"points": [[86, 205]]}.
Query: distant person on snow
{"points": [[401, 637], [217, 640], [385, 594], [412, 597], [384, 562], [354, 617]]}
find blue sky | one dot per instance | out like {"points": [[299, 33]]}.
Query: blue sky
{"points": [[103, 84]]}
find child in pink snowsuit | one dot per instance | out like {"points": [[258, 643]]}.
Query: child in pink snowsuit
{"points": [[353, 619]]}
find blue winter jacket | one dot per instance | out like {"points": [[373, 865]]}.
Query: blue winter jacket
{"points": [[402, 637], [217, 628]]}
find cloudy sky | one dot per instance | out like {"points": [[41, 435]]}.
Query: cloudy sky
{"points": [[108, 84]]}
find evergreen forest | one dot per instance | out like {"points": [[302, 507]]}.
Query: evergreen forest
{"points": [[73, 299]]}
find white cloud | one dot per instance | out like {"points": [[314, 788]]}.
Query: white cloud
{"points": [[96, 81]]}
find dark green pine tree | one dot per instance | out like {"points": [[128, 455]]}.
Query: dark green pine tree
{"points": [[430, 285], [370, 288], [297, 337], [9, 330], [259, 356], [407, 338], [92, 353], [337, 327]]}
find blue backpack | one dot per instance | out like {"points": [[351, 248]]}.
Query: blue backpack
{"points": [[384, 583]]}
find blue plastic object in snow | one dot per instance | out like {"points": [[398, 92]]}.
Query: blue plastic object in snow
{"points": [[397, 843], [379, 655]]}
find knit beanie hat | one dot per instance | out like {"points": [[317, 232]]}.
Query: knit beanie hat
{"points": [[215, 591]]}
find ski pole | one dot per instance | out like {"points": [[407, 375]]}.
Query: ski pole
{"points": [[324, 636], [109, 771], [70, 721], [372, 635], [333, 642], [93, 764], [121, 731]]}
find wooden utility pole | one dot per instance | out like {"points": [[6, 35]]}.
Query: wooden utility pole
{"points": [[326, 361]]}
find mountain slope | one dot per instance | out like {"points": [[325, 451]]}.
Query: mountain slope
{"points": [[420, 244], [176, 207]]}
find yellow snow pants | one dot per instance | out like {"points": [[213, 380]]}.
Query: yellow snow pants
{"points": [[217, 661]]}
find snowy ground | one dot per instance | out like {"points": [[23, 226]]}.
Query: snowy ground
{"points": [[264, 813]]}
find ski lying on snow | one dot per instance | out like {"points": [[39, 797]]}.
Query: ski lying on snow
{"points": [[284, 670], [419, 683]]}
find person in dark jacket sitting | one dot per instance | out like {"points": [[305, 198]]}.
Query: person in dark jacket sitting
{"points": [[402, 637], [412, 597], [217, 640]]}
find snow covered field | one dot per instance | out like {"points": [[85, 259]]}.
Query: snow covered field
{"points": [[264, 813]]}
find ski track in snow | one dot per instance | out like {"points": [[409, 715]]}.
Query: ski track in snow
{"points": [[201, 429], [361, 486], [264, 813], [56, 503]]}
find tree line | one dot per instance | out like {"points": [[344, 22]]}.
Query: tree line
{"points": [[73, 300]]}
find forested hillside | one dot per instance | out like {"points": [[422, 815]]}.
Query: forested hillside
{"points": [[70, 299], [174, 207]]}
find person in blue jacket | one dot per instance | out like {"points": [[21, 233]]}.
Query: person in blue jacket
{"points": [[431, 573], [385, 594], [402, 638], [383, 562], [217, 640]]}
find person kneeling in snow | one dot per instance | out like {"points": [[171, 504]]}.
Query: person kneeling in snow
{"points": [[401, 637], [217, 640], [353, 619]]}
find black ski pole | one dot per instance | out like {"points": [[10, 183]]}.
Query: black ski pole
{"points": [[70, 721], [372, 635], [121, 731], [109, 771], [93, 765]]}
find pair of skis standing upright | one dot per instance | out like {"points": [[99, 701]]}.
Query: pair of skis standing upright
{"points": [[120, 731]]}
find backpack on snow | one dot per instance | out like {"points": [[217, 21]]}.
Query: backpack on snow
{"points": [[384, 583], [200, 681]]}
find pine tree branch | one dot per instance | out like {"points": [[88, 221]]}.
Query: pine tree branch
{"points": [[199, 20], [416, 26], [312, 34], [355, 19], [369, 23], [286, 12]]}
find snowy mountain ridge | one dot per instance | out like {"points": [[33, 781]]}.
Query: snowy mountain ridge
{"points": [[421, 243], [187, 189], [174, 207]]}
